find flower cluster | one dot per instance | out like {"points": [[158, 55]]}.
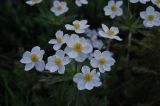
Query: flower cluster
{"points": [[89, 49], [76, 49], [113, 9], [57, 5]]}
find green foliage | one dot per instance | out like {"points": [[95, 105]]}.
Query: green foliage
{"points": [[130, 83]]}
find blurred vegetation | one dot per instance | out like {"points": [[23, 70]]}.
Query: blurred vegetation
{"points": [[130, 83]]}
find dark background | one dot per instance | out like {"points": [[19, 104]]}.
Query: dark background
{"points": [[133, 82]]}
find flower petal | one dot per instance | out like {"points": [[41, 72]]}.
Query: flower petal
{"points": [[94, 63], [97, 54], [85, 69], [150, 10], [106, 67], [59, 33], [27, 54], [61, 70], [89, 85], [105, 28], [115, 30], [101, 69], [96, 83], [57, 46], [40, 66], [107, 54], [73, 54], [51, 67], [52, 41], [60, 53], [81, 57], [111, 61], [81, 85], [69, 27], [102, 33], [78, 77], [143, 15], [88, 48], [119, 3], [29, 66], [117, 38], [79, 31], [66, 60], [25, 60]]}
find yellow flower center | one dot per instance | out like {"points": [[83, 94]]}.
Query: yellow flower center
{"points": [[34, 58], [158, 1], [58, 61], [77, 25], [102, 61], [78, 47], [110, 32], [59, 39], [113, 8], [151, 17], [88, 77], [59, 7]]}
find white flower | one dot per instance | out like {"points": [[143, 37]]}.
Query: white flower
{"points": [[109, 32], [87, 79], [33, 2], [33, 58], [151, 17], [97, 44], [103, 61], [113, 9], [156, 2], [92, 34], [59, 8], [141, 1], [90, 56], [80, 2], [93, 38], [57, 62], [78, 26], [78, 48], [59, 41]]}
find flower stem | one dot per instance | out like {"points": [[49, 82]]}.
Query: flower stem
{"points": [[128, 5], [76, 66], [129, 45], [109, 44]]}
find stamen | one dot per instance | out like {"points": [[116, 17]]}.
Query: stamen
{"points": [[102, 61], [151, 17], [59, 7], [77, 26], [59, 39], [78, 47], [113, 8], [88, 77], [58, 61], [34, 58], [110, 32], [158, 1]]}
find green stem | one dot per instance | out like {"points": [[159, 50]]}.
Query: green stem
{"points": [[128, 5], [129, 45], [109, 44], [76, 66]]}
